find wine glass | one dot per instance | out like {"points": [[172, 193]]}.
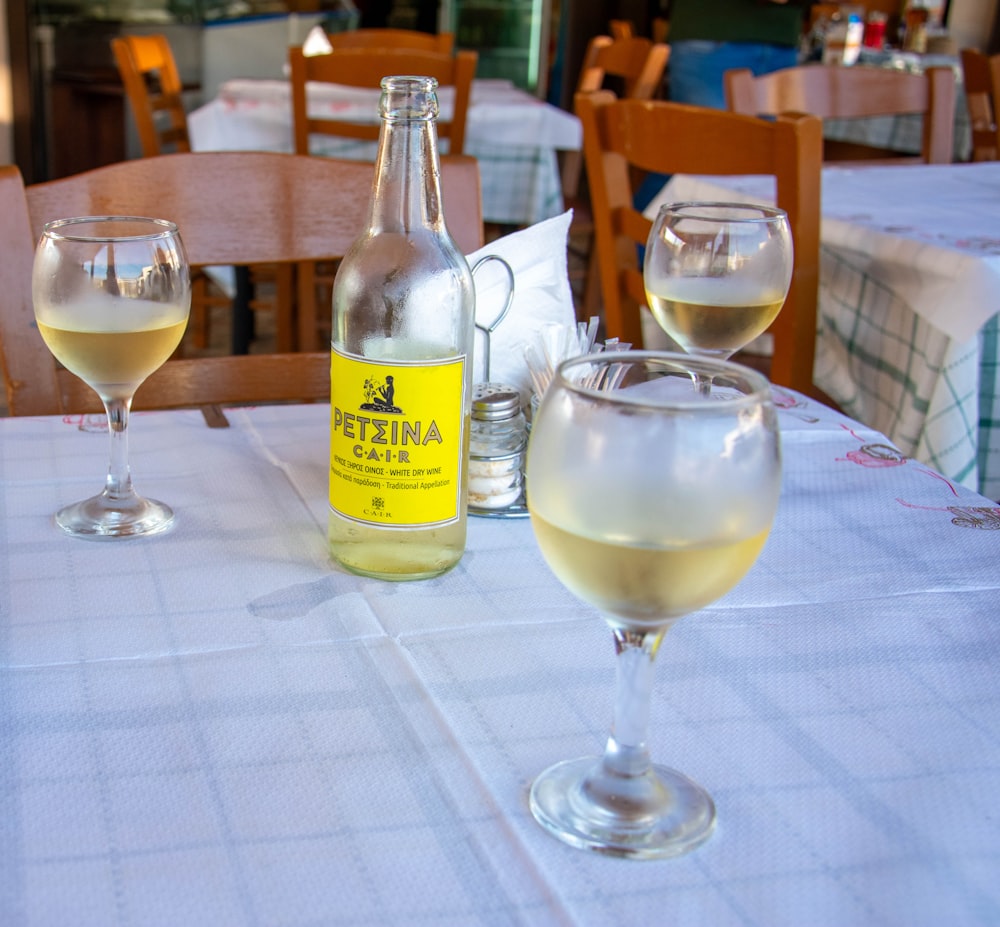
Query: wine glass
{"points": [[717, 274], [649, 500], [111, 296]]}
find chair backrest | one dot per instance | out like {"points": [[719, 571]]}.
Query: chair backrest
{"points": [[154, 90], [981, 79], [638, 61], [442, 42], [365, 67], [837, 92], [621, 28], [302, 209], [669, 138]]}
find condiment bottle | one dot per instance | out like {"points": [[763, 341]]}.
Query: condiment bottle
{"points": [[496, 448], [401, 362]]}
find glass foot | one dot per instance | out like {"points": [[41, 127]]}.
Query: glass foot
{"points": [[656, 815], [104, 517]]}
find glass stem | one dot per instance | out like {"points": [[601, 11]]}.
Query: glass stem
{"points": [[626, 753], [703, 384], [118, 484]]}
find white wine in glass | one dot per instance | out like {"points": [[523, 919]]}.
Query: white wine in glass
{"points": [[717, 274], [112, 296], [649, 500]]}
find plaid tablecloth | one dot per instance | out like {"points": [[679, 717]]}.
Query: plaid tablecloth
{"points": [[903, 132], [513, 135], [909, 296], [217, 727]]}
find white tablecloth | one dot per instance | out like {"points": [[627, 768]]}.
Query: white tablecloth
{"points": [[513, 135], [909, 296], [216, 727]]}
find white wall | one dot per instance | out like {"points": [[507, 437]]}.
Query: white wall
{"points": [[6, 102], [257, 48], [970, 22]]}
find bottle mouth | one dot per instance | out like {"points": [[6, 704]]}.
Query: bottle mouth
{"points": [[409, 97]]}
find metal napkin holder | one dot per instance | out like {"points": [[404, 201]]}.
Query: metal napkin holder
{"points": [[517, 509]]}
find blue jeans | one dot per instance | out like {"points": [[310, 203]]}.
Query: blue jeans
{"points": [[696, 67]]}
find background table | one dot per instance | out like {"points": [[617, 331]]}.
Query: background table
{"points": [[513, 135], [904, 132], [217, 727], [908, 300]]}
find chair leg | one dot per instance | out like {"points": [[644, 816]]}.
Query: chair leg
{"points": [[284, 307], [199, 318], [305, 309], [242, 313], [592, 288]]}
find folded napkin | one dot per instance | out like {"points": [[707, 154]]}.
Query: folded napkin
{"points": [[537, 258]]}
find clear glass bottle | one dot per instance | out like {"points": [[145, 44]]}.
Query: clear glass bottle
{"points": [[401, 362]]}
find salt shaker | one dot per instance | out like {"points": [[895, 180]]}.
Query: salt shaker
{"points": [[496, 448]]}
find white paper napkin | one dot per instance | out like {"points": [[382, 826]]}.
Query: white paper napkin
{"points": [[537, 257]]}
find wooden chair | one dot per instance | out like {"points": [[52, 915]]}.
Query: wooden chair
{"points": [[624, 29], [674, 138], [621, 28], [302, 210], [153, 87], [836, 92], [981, 79], [441, 42], [638, 64], [365, 67]]}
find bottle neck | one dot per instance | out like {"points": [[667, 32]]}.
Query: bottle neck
{"points": [[407, 190]]}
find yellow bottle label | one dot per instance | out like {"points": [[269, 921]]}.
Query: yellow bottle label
{"points": [[396, 440]]}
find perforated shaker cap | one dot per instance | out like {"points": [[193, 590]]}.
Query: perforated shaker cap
{"points": [[494, 402]]}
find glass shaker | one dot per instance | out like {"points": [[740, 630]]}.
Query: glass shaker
{"points": [[498, 437]]}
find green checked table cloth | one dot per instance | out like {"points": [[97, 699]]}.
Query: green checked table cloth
{"points": [[903, 132], [513, 136], [908, 303]]}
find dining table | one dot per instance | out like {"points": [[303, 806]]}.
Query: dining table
{"points": [[903, 132], [217, 726], [514, 136], [909, 304]]}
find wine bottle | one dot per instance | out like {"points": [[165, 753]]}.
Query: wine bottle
{"points": [[401, 362]]}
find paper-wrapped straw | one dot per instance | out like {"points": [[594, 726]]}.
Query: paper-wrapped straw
{"points": [[557, 343]]}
